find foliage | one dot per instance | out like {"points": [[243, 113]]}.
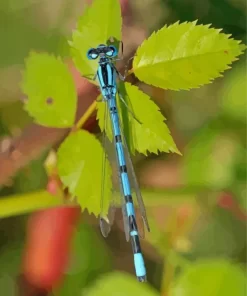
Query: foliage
{"points": [[184, 56], [181, 56], [214, 278], [83, 175], [50, 89], [123, 283], [151, 134], [214, 159], [97, 24]]}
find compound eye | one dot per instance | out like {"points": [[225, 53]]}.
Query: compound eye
{"points": [[92, 54], [111, 51]]}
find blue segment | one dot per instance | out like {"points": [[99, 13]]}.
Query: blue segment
{"points": [[120, 154], [139, 265], [115, 122], [130, 210], [125, 183], [112, 102]]}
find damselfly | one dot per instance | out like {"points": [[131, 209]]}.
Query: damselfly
{"points": [[107, 75]]}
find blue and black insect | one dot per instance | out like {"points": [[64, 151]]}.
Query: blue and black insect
{"points": [[107, 75]]}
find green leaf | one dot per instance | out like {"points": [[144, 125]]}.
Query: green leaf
{"points": [[50, 89], [211, 278], [184, 56], [234, 94], [99, 22], [80, 169], [122, 283], [153, 134]]}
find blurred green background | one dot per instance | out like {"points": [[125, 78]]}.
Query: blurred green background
{"points": [[196, 203]]}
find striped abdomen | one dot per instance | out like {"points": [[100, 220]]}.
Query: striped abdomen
{"points": [[125, 184]]}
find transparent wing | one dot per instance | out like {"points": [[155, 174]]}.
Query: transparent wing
{"points": [[118, 193], [134, 183], [136, 191], [105, 222], [127, 116]]}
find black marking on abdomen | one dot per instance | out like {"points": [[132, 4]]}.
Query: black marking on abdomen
{"points": [[135, 242], [118, 138], [113, 109], [132, 223], [123, 169], [128, 198]]}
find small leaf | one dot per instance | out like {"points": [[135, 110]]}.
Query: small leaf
{"points": [[153, 134], [211, 278], [184, 56], [80, 169], [122, 283], [99, 22], [50, 89]]}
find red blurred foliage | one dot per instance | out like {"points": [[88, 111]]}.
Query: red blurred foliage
{"points": [[226, 201], [47, 246]]}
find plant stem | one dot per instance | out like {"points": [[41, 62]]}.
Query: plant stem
{"points": [[33, 201], [24, 203], [86, 115]]}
